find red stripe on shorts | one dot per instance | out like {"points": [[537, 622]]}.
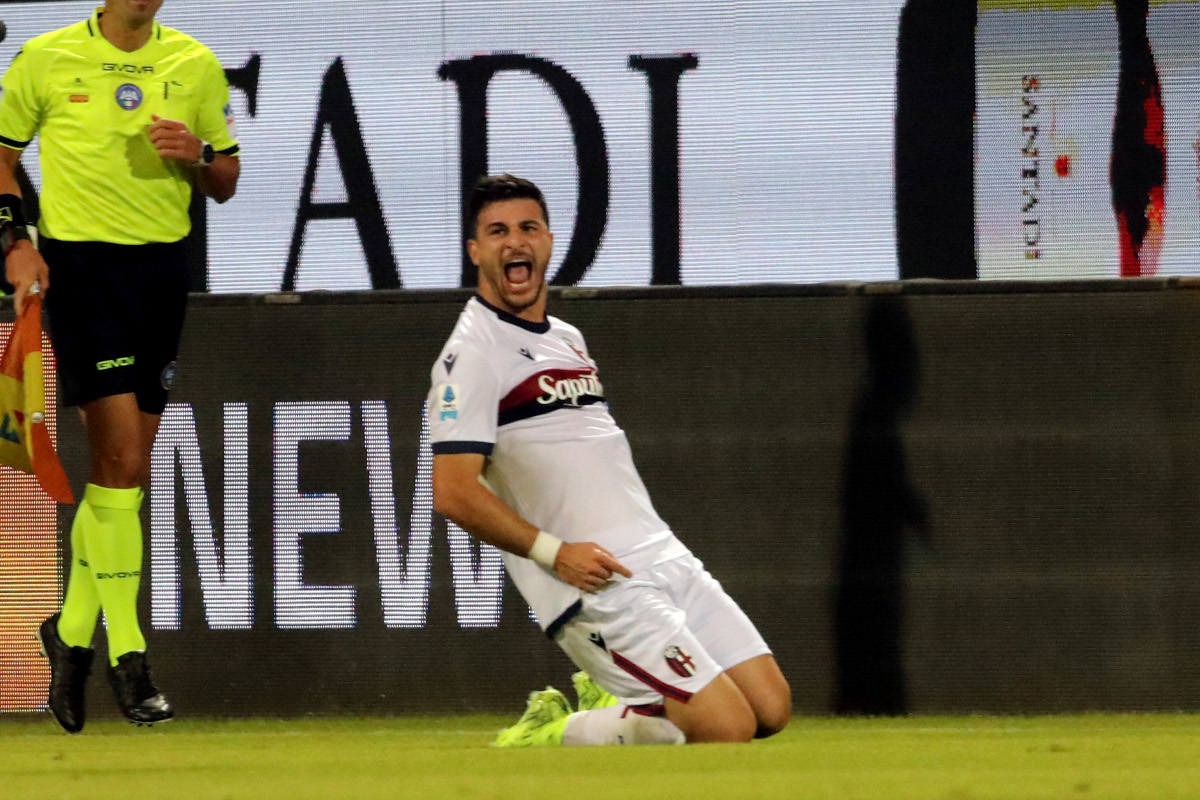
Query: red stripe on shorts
{"points": [[647, 710], [665, 689]]}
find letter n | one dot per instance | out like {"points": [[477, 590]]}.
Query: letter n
{"points": [[336, 111], [225, 566]]}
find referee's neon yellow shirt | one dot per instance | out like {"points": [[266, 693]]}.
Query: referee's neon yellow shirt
{"points": [[91, 103]]}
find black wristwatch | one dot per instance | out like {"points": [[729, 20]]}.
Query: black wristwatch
{"points": [[207, 155]]}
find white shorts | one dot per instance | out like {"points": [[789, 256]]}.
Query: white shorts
{"points": [[666, 632]]}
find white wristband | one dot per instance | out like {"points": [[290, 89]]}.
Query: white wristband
{"points": [[545, 549]]}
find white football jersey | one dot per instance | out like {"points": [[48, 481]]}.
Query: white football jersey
{"points": [[528, 397]]}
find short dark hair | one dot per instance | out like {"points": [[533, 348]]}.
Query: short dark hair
{"points": [[494, 188]]}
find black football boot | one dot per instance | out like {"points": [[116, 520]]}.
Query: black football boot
{"points": [[69, 671], [139, 699]]}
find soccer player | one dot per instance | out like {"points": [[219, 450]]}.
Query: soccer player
{"points": [[132, 115], [528, 459]]}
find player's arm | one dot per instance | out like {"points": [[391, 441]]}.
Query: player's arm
{"points": [[459, 494], [23, 265], [175, 141]]}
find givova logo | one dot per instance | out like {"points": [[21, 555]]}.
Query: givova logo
{"points": [[112, 363]]}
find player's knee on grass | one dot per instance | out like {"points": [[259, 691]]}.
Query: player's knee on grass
{"points": [[773, 713], [738, 728], [718, 725], [717, 713]]}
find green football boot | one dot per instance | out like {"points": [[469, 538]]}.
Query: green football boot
{"points": [[542, 723], [590, 694]]}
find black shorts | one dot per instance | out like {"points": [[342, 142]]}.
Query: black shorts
{"points": [[115, 314]]}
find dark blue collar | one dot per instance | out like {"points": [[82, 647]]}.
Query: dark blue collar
{"points": [[513, 319]]}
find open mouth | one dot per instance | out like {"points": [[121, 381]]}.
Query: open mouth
{"points": [[518, 272]]}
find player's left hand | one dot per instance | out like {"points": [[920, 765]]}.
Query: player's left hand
{"points": [[587, 566], [172, 139]]}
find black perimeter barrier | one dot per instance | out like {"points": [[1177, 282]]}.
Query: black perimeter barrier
{"points": [[930, 496]]}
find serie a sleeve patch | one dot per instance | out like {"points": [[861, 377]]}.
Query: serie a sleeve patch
{"points": [[447, 401]]}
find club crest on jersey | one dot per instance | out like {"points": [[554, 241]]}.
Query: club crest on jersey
{"points": [[448, 401], [129, 97], [680, 661], [577, 350]]}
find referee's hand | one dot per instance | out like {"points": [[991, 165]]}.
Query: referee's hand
{"points": [[587, 566], [172, 139], [23, 267]]}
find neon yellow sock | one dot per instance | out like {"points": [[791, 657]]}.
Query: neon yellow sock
{"points": [[113, 534], [81, 606]]}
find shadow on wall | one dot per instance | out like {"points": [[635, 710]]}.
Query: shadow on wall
{"points": [[879, 504]]}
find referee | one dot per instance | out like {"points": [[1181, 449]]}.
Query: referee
{"points": [[132, 114]]}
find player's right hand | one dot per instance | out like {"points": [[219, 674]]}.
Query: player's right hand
{"points": [[587, 566], [23, 267]]}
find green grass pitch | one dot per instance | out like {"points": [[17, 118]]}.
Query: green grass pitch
{"points": [[957, 758]]}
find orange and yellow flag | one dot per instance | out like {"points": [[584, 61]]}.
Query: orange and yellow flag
{"points": [[24, 441]]}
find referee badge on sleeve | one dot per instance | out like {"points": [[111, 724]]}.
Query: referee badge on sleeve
{"points": [[230, 120], [448, 401]]}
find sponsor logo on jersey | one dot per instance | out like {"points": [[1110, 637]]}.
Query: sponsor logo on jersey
{"points": [[569, 390], [680, 661], [131, 69], [448, 401], [549, 391], [525, 352], [167, 377], [129, 97], [113, 363]]}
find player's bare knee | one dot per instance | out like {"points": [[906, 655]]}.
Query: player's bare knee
{"points": [[120, 465], [119, 468], [774, 714], [721, 728], [771, 727], [738, 729]]}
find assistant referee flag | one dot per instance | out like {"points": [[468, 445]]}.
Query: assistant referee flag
{"points": [[24, 441]]}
